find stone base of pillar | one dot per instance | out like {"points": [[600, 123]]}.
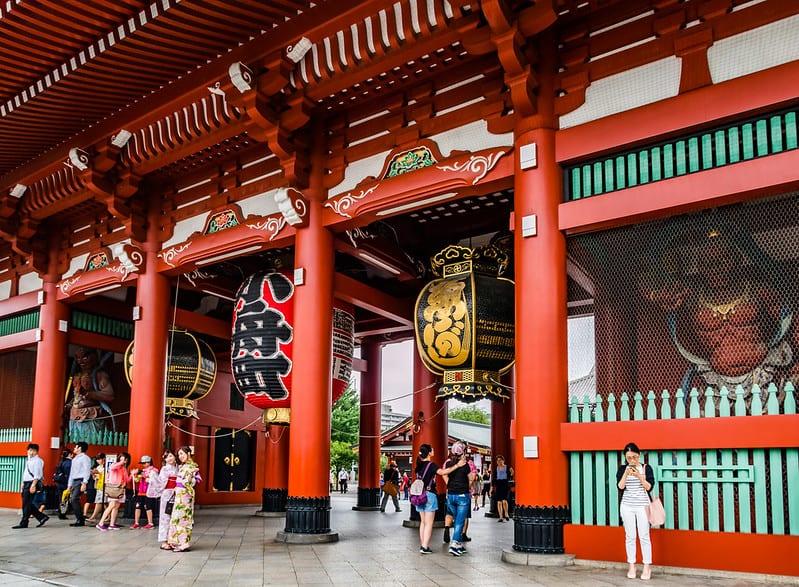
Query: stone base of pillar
{"points": [[537, 560], [274, 500], [308, 515], [539, 529], [291, 538], [368, 499]]}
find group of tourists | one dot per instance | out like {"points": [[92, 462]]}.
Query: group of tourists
{"points": [[634, 479], [170, 491]]}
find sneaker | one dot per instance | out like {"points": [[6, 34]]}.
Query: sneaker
{"points": [[423, 550], [101, 527], [114, 527], [446, 534], [134, 526], [147, 526], [455, 551]]}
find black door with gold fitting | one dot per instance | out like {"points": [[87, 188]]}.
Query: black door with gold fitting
{"points": [[232, 459]]}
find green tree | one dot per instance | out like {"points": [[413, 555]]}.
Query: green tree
{"points": [[470, 414], [345, 417], [341, 455]]}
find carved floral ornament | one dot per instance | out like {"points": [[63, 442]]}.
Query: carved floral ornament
{"points": [[425, 166], [293, 210], [104, 267]]}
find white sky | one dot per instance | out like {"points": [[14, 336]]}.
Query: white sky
{"points": [[397, 378]]}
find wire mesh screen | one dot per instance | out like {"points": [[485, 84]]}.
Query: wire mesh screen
{"points": [[702, 300]]}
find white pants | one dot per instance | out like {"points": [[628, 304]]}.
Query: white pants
{"points": [[634, 517]]}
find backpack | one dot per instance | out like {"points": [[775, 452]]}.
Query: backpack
{"points": [[418, 491]]}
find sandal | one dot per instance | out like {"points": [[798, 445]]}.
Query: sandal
{"points": [[183, 549], [166, 547]]}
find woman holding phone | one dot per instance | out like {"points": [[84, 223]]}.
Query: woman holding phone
{"points": [[635, 481]]}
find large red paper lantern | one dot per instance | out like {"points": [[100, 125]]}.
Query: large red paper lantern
{"points": [[263, 333]]}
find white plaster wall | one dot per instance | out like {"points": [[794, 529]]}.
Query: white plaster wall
{"points": [[627, 90], [30, 282], [5, 289], [755, 50]]}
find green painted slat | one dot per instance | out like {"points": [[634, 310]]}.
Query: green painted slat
{"points": [[574, 484], [666, 491], [693, 155], [777, 497], [599, 412], [587, 181], [601, 490], [707, 151], [643, 166], [792, 471], [632, 169], [610, 184], [727, 491], [576, 184], [657, 164], [597, 178], [679, 404], [720, 148], [744, 497], [613, 496], [683, 518], [761, 497], [748, 136], [638, 408], [621, 173], [775, 124], [761, 138], [624, 415], [588, 488], [612, 417], [574, 411], [11, 469], [791, 138], [712, 491], [734, 138], [668, 161], [697, 493], [681, 159], [665, 406], [651, 407]]}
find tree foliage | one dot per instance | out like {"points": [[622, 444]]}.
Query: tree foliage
{"points": [[470, 414], [341, 455], [345, 417]]}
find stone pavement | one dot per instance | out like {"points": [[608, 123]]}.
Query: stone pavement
{"points": [[232, 546]]}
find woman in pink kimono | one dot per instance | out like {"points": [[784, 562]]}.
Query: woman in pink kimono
{"points": [[182, 520]]}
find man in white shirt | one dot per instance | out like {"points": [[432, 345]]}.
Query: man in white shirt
{"points": [[79, 474], [32, 479]]}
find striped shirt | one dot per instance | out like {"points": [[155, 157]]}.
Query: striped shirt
{"points": [[634, 493]]}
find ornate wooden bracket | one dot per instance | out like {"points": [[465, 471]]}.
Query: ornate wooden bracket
{"points": [[510, 34], [109, 183], [275, 115]]}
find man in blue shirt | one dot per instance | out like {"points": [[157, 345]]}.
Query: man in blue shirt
{"points": [[32, 479]]}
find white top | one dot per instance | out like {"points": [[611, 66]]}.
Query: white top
{"points": [[34, 469], [81, 469], [634, 493]]}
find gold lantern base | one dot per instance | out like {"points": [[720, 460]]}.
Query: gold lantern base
{"points": [[471, 385], [178, 407], [276, 416]]}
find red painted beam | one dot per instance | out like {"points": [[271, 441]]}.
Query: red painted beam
{"points": [[729, 551], [361, 295], [729, 432], [705, 189], [764, 90], [20, 303], [18, 340]]}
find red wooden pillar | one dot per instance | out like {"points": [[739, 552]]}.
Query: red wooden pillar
{"points": [[541, 338], [276, 473], [148, 387], [430, 416], [500, 439], [51, 368], [308, 502], [369, 442]]}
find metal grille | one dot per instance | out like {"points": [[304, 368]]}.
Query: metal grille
{"points": [[704, 300]]}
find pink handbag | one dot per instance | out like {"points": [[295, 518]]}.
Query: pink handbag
{"points": [[656, 512]]}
